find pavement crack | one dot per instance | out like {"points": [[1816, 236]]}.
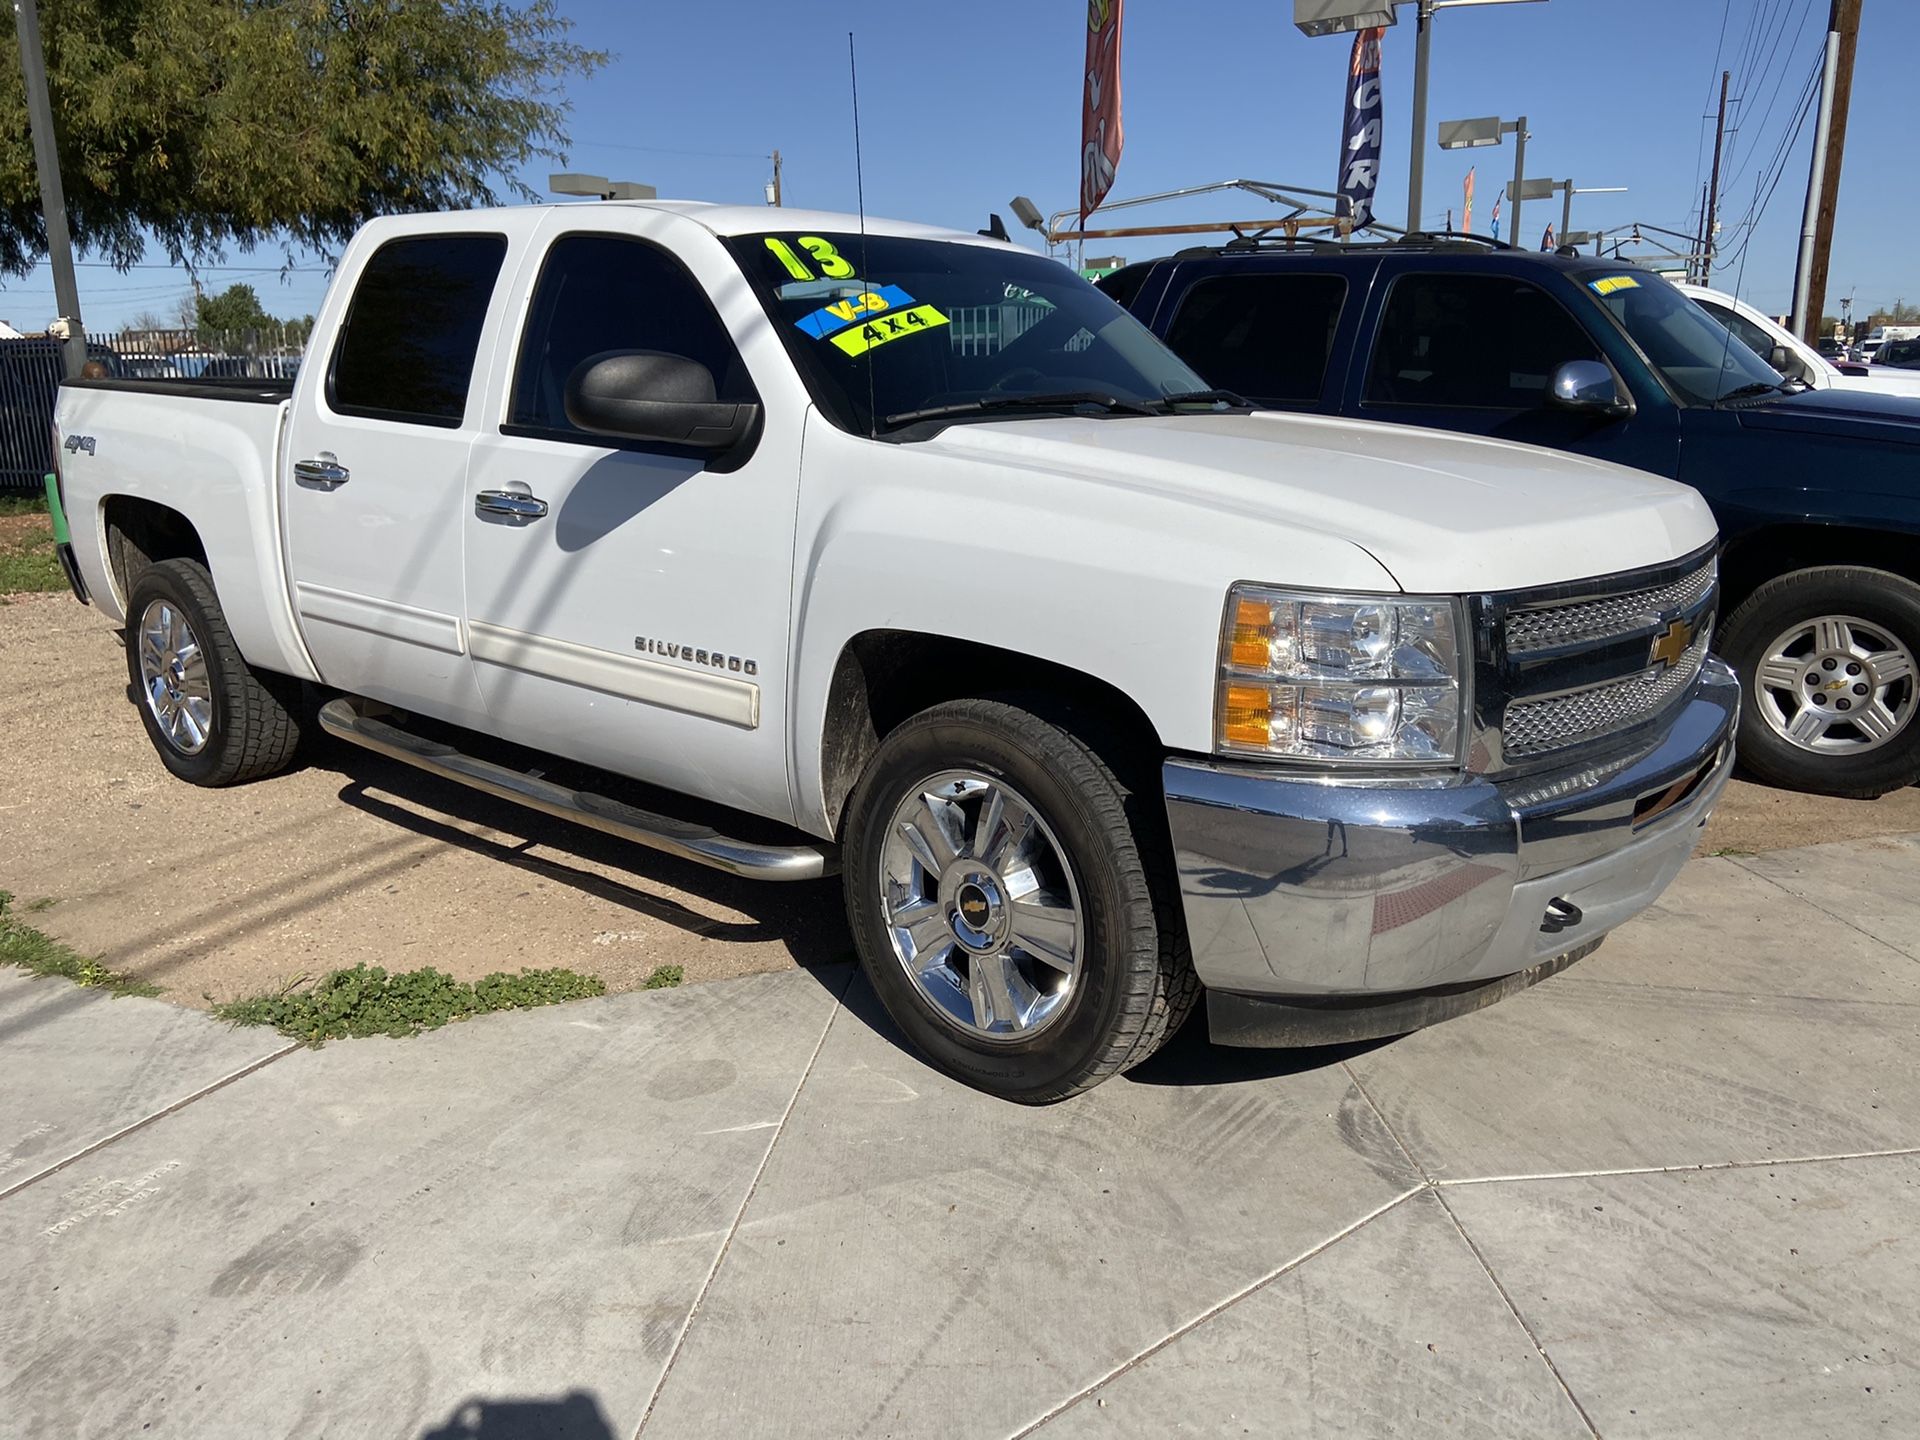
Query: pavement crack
{"points": [[141, 1124], [1214, 1311], [1519, 1319], [1681, 1169], [720, 1256]]}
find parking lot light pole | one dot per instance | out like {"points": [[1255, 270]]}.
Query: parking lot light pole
{"points": [[1473, 134], [1336, 17], [53, 200]]}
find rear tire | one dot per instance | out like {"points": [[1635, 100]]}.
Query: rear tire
{"points": [[212, 718], [1013, 902], [1807, 644]]}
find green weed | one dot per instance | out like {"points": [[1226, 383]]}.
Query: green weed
{"points": [[38, 954], [664, 977], [366, 1000]]}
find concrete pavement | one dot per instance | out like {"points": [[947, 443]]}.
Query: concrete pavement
{"points": [[1668, 1193]]}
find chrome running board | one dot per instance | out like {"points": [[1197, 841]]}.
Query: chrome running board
{"points": [[698, 843]]}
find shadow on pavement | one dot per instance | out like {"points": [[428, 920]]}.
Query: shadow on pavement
{"points": [[1190, 1058], [574, 1416], [807, 916]]}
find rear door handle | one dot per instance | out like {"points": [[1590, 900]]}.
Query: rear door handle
{"points": [[509, 502], [324, 469]]}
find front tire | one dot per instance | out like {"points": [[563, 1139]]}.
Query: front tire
{"points": [[1012, 902], [212, 718], [1827, 660]]}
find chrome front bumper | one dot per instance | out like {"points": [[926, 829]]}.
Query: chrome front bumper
{"points": [[1338, 893]]}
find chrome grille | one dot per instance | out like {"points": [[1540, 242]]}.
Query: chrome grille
{"points": [[1534, 726], [1587, 622]]}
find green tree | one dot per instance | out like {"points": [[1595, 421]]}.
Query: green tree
{"points": [[208, 123], [234, 309]]}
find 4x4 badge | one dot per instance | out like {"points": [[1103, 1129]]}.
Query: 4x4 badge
{"points": [[1670, 644]]}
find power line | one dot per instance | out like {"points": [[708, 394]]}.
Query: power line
{"points": [[1782, 154], [1700, 147], [1786, 65], [669, 150]]}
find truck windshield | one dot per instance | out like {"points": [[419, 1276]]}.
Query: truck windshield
{"points": [[889, 332], [1700, 357]]}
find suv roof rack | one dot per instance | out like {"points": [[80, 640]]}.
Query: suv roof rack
{"points": [[1441, 237], [1256, 244]]}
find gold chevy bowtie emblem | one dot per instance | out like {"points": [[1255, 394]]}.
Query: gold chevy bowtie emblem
{"points": [[1671, 643]]}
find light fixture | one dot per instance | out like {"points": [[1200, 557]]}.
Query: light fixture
{"points": [[1470, 134], [1028, 213], [1338, 17], [599, 187]]}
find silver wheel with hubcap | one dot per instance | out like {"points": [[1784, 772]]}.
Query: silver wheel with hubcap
{"points": [[981, 908], [1836, 685], [173, 677]]}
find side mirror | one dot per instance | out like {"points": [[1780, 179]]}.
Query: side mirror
{"points": [[651, 395], [1782, 359], [1587, 385]]}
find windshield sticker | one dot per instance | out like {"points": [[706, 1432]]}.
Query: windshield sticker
{"points": [[1612, 283], [860, 304], [894, 325]]}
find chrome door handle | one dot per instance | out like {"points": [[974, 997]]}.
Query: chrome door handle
{"points": [[324, 469], [509, 502]]}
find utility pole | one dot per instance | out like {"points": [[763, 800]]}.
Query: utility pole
{"points": [[1709, 229], [776, 178], [53, 201], [1799, 323], [1844, 21]]}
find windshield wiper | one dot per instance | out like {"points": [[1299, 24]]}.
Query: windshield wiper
{"points": [[1057, 400], [1207, 397], [1750, 390]]}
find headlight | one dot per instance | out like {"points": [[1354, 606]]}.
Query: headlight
{"points": [[1328, 677]]}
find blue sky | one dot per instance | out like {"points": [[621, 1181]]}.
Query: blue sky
{"points": [[964, 106]]}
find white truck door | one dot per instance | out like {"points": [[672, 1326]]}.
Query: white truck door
{"points": [[639, 620], [378, 442]]}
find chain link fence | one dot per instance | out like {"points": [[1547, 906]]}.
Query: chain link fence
{"points": [[31, 369]]}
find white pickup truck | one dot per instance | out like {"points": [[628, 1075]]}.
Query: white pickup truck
{"points": [[1099, 689]]}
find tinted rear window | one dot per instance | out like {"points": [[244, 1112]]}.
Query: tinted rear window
{"points": [[407, 349], [1267, 336]]}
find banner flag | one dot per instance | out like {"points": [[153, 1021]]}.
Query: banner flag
{"points": [[1360, 135], [1100, 133], [1546, 240], [1466, 221]]}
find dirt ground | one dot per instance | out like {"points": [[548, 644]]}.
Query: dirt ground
{"points": [[216, 894]]}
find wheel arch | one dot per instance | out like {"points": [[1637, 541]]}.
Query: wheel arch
{"points": [[882, 677], [1752, 559], [139, 532]]}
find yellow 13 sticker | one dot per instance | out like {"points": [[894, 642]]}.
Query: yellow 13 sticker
{"points": [[832, 264]]}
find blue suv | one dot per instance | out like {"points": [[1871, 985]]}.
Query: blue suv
{"points": [[1817, 492]]}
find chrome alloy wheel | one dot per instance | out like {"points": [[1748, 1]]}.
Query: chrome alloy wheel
{"points": [[1837, 685], [981, 907], [173, 677]]}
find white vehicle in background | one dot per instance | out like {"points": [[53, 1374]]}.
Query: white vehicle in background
{"points": [[1796, 359], [1880, 335]]}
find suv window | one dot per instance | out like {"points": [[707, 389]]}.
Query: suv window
{"points": [[1905, 353], [1473, 341], [613, 292], [1267, 336], [407, 348]]}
